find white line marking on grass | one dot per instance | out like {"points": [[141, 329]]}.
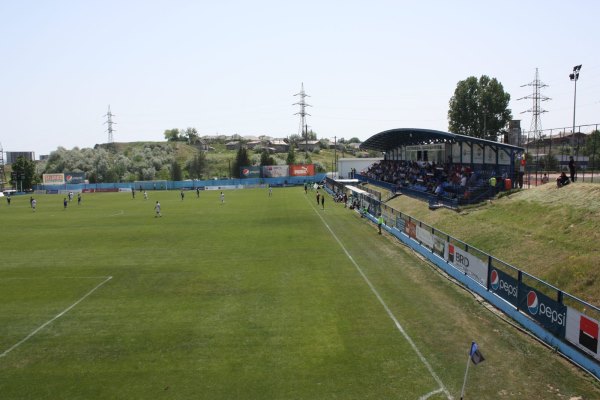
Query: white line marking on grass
{"points": [[387, 309], [19, 278], [66, 310], [428, 395], [120, 212]]}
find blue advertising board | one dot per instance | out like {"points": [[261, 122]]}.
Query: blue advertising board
{"points": [[504, 286], [400, 223], [250, 172], [548, 312]]}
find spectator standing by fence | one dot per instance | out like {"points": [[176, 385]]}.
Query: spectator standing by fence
{"points": [[572, 169]]}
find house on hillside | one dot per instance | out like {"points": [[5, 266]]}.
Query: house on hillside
{"points": [[234, 145], [253, 144], [279, 146], [311, 145]]}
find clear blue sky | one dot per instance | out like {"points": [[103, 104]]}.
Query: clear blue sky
{"points": [[233, 67]]}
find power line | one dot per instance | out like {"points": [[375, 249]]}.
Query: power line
{"points": [[2, 174], [303, 129], [110, 123], [536, 110]]}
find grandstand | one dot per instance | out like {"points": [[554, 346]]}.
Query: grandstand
{"points": [[417, 161]]}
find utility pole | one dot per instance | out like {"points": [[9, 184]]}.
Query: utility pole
{"points": [[110, 123], [303, 131], [2, 174], [536, 110], [335, 155]]}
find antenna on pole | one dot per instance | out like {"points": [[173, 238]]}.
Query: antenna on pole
{"points": [[303, 130], [536, 110], [2, 174], [110, 123]]}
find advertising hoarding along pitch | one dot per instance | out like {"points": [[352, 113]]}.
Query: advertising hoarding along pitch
{"points": [[54, 179], [504, 286], [302, 170], [583, 331], [548, 312], [425, 237], [410, 228], [75, 177], [250, 172], [468, 264], [275, 171], [400, 223]]}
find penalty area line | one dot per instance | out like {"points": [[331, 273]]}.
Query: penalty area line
{"points": [[389, 312], [63, 312]]}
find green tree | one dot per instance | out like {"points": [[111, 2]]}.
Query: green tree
{"points": [[291, 156], [294, 140], [479, 108], [354, 140], [241, 160], [172, 135], [196, 166], [25, 170], [266, 159], [191, 135], [176, 174], [592, 148]]}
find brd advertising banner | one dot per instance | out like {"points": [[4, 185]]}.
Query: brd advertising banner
{"points": [[582, 331], [467, 263]]}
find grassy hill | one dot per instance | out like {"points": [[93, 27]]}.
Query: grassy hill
{"points": [[220, 159], [548, 232]]}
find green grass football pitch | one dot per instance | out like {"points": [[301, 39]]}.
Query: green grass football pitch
{"points": [[258, 298]]}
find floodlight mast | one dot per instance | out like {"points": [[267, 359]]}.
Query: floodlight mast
{"points": [[574, 77]]}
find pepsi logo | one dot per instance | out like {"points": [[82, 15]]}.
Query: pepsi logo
{"points": [[245, 171], [495, 279], [532, 302]]}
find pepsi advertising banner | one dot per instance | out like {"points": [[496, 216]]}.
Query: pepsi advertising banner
{"points": [[250, 172], [549, 313], [504, 286], [75, 177]]}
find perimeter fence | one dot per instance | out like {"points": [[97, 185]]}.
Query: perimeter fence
{"points": [[562, 320]]}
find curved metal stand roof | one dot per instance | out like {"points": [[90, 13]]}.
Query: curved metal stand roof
{"points": [[399, 137]]}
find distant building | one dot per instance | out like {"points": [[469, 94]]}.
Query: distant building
{"points": [[235, 145], [253, 144], [514, 135], [308, 146], [44, 157], [279, 146], [11, 156]]}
